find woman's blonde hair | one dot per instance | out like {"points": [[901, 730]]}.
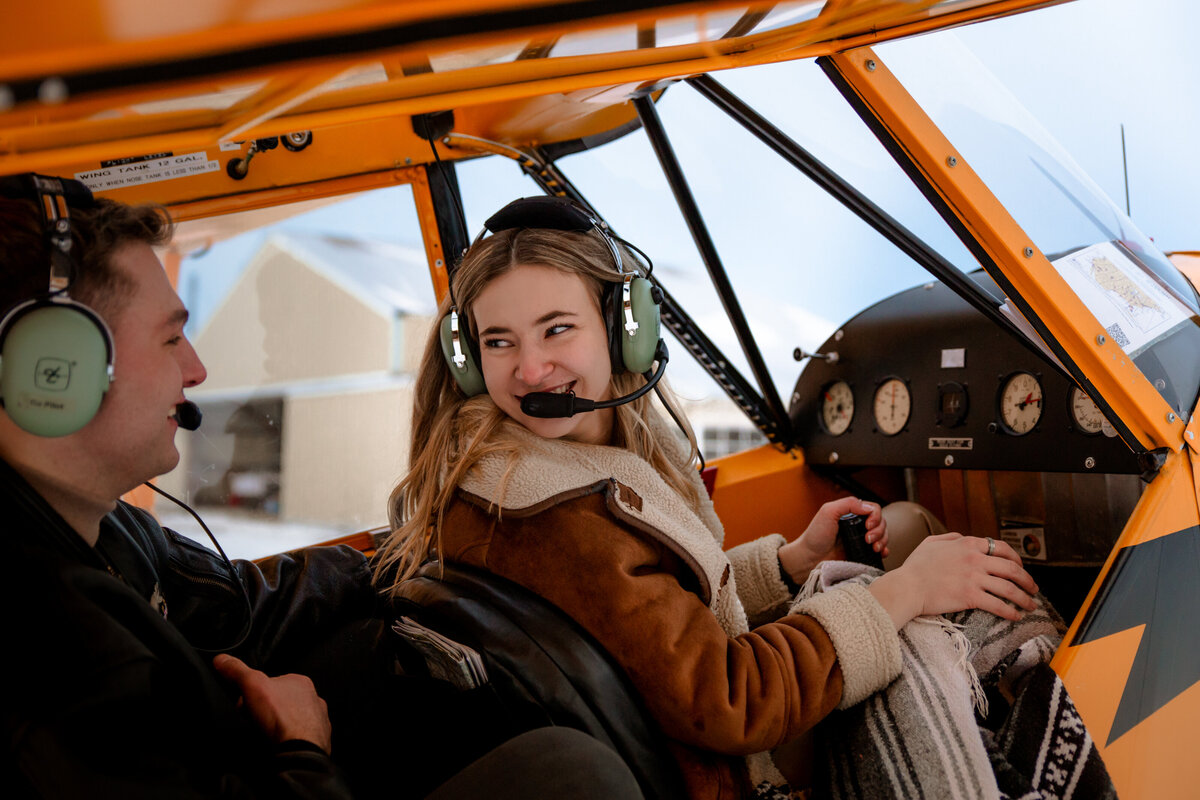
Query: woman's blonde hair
{"points": [[451, 432]]}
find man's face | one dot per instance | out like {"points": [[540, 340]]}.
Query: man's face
{"points": [[134, 432]]}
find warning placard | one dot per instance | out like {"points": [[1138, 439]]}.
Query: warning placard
{"points": [[160, 167]]}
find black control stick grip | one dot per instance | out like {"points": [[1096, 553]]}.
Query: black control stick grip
{"points": [[852, 528]]}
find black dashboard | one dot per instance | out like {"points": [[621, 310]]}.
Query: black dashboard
{"points": [[922, 379]]}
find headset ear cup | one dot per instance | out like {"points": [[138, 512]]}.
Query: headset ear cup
{"points": [[55, 366], [468, 375], [638, 349]]}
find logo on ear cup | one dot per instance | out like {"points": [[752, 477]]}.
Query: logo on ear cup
{"points": [[52, 374]]}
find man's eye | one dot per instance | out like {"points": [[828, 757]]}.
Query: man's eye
{"points": [[175, 340]]}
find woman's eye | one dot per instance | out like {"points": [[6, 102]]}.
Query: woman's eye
{"points": [[496, 343], [556, 329]]}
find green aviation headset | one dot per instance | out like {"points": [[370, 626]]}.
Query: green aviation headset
{"points": [[630, 306], [56, 355]]}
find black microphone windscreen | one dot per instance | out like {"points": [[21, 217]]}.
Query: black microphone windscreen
{"points": [[188, 415], [546, 405]]}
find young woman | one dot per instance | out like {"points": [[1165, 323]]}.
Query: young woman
{"points": [[603, 514]]}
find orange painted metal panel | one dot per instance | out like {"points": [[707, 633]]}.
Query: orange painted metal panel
{"points": [[1154, 758], [765, 491]]}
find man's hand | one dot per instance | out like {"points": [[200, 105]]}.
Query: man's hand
{"points": [[819, 541], [286, 707]]}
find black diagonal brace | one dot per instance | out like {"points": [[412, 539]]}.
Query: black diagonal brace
{"points": [[712, 261], [547, 174], [862, 207]]}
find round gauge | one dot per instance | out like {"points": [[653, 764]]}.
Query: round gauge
{"points": [[952, 404], [892, 406], [837, 407], [1020, 403], [1086, 414]]}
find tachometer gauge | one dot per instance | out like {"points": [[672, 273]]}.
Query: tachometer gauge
{"points": [[892, 406], [1020, 403], [837, 407], [1087, 416]]}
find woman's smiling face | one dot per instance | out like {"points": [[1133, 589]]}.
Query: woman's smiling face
{"points": [[540, 330]]}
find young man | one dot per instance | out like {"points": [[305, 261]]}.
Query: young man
{"points": [[105, 695], [117, 682]]}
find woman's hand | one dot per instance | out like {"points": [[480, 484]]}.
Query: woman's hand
{"points": [[819, 541], [952, 572]]}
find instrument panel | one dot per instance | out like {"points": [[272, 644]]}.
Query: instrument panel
{"points": [[921, 379]]}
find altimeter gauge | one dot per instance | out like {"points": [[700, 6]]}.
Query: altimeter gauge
{"points": [[1087, 416], [1020, 403], [892, 406], [837, 407]]}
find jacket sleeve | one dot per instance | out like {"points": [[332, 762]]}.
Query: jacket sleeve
{"points": [[117, 740], [296, 599], [736, 695], [759, 581], [105, 699]]}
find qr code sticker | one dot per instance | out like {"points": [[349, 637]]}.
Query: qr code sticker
{"points": [[1118, 335]]}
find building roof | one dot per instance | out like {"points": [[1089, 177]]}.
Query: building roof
{"points": [[384, 275]]}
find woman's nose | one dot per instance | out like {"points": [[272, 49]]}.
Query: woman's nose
{"points": [[533, 367]]}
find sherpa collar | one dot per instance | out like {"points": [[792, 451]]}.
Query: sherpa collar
{"points": [[551, 471]]}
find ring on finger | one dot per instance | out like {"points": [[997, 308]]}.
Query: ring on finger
{"points": [[991, 545]]}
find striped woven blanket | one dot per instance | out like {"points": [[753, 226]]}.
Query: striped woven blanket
{"points": [[976, 714]]}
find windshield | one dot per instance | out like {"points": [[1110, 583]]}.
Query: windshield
{"points": [[1140, 299]]}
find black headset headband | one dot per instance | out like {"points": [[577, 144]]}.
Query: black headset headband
{"points": [[32, 186], [553, 213], [556, 213], [54, 196]]}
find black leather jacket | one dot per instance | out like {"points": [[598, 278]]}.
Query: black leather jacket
{"points": [[109, 689]]}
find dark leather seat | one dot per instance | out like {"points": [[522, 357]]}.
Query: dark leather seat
{"points": [[543, 669]]}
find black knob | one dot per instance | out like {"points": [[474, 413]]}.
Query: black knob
{"points": [[852, 528]]}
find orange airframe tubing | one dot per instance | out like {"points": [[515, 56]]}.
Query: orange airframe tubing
{"points": [[1119, 382], [1150, 760]]}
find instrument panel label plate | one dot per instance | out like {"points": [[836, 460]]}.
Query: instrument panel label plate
{"points": [[951, 443]]}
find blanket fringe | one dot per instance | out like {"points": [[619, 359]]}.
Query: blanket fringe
{"points": [[962, 658]]}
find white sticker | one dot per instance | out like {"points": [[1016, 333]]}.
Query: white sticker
{"points": [[1030, 543], [227, 146], [148, 171], [954, 358]]}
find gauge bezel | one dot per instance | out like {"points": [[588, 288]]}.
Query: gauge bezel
{"points": [[1075, 423], [1005, 381], [821, 407], [952, 420], [875, 407]]}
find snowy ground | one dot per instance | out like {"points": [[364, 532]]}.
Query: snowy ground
{"points": [[245, 534]]}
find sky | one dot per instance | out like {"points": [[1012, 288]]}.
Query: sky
{"points": [[800, 263]]}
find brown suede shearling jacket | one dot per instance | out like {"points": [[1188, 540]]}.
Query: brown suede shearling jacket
{"points": [[597, 532]]}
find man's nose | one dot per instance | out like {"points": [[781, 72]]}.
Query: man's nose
{"points": [[192, 367]]}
